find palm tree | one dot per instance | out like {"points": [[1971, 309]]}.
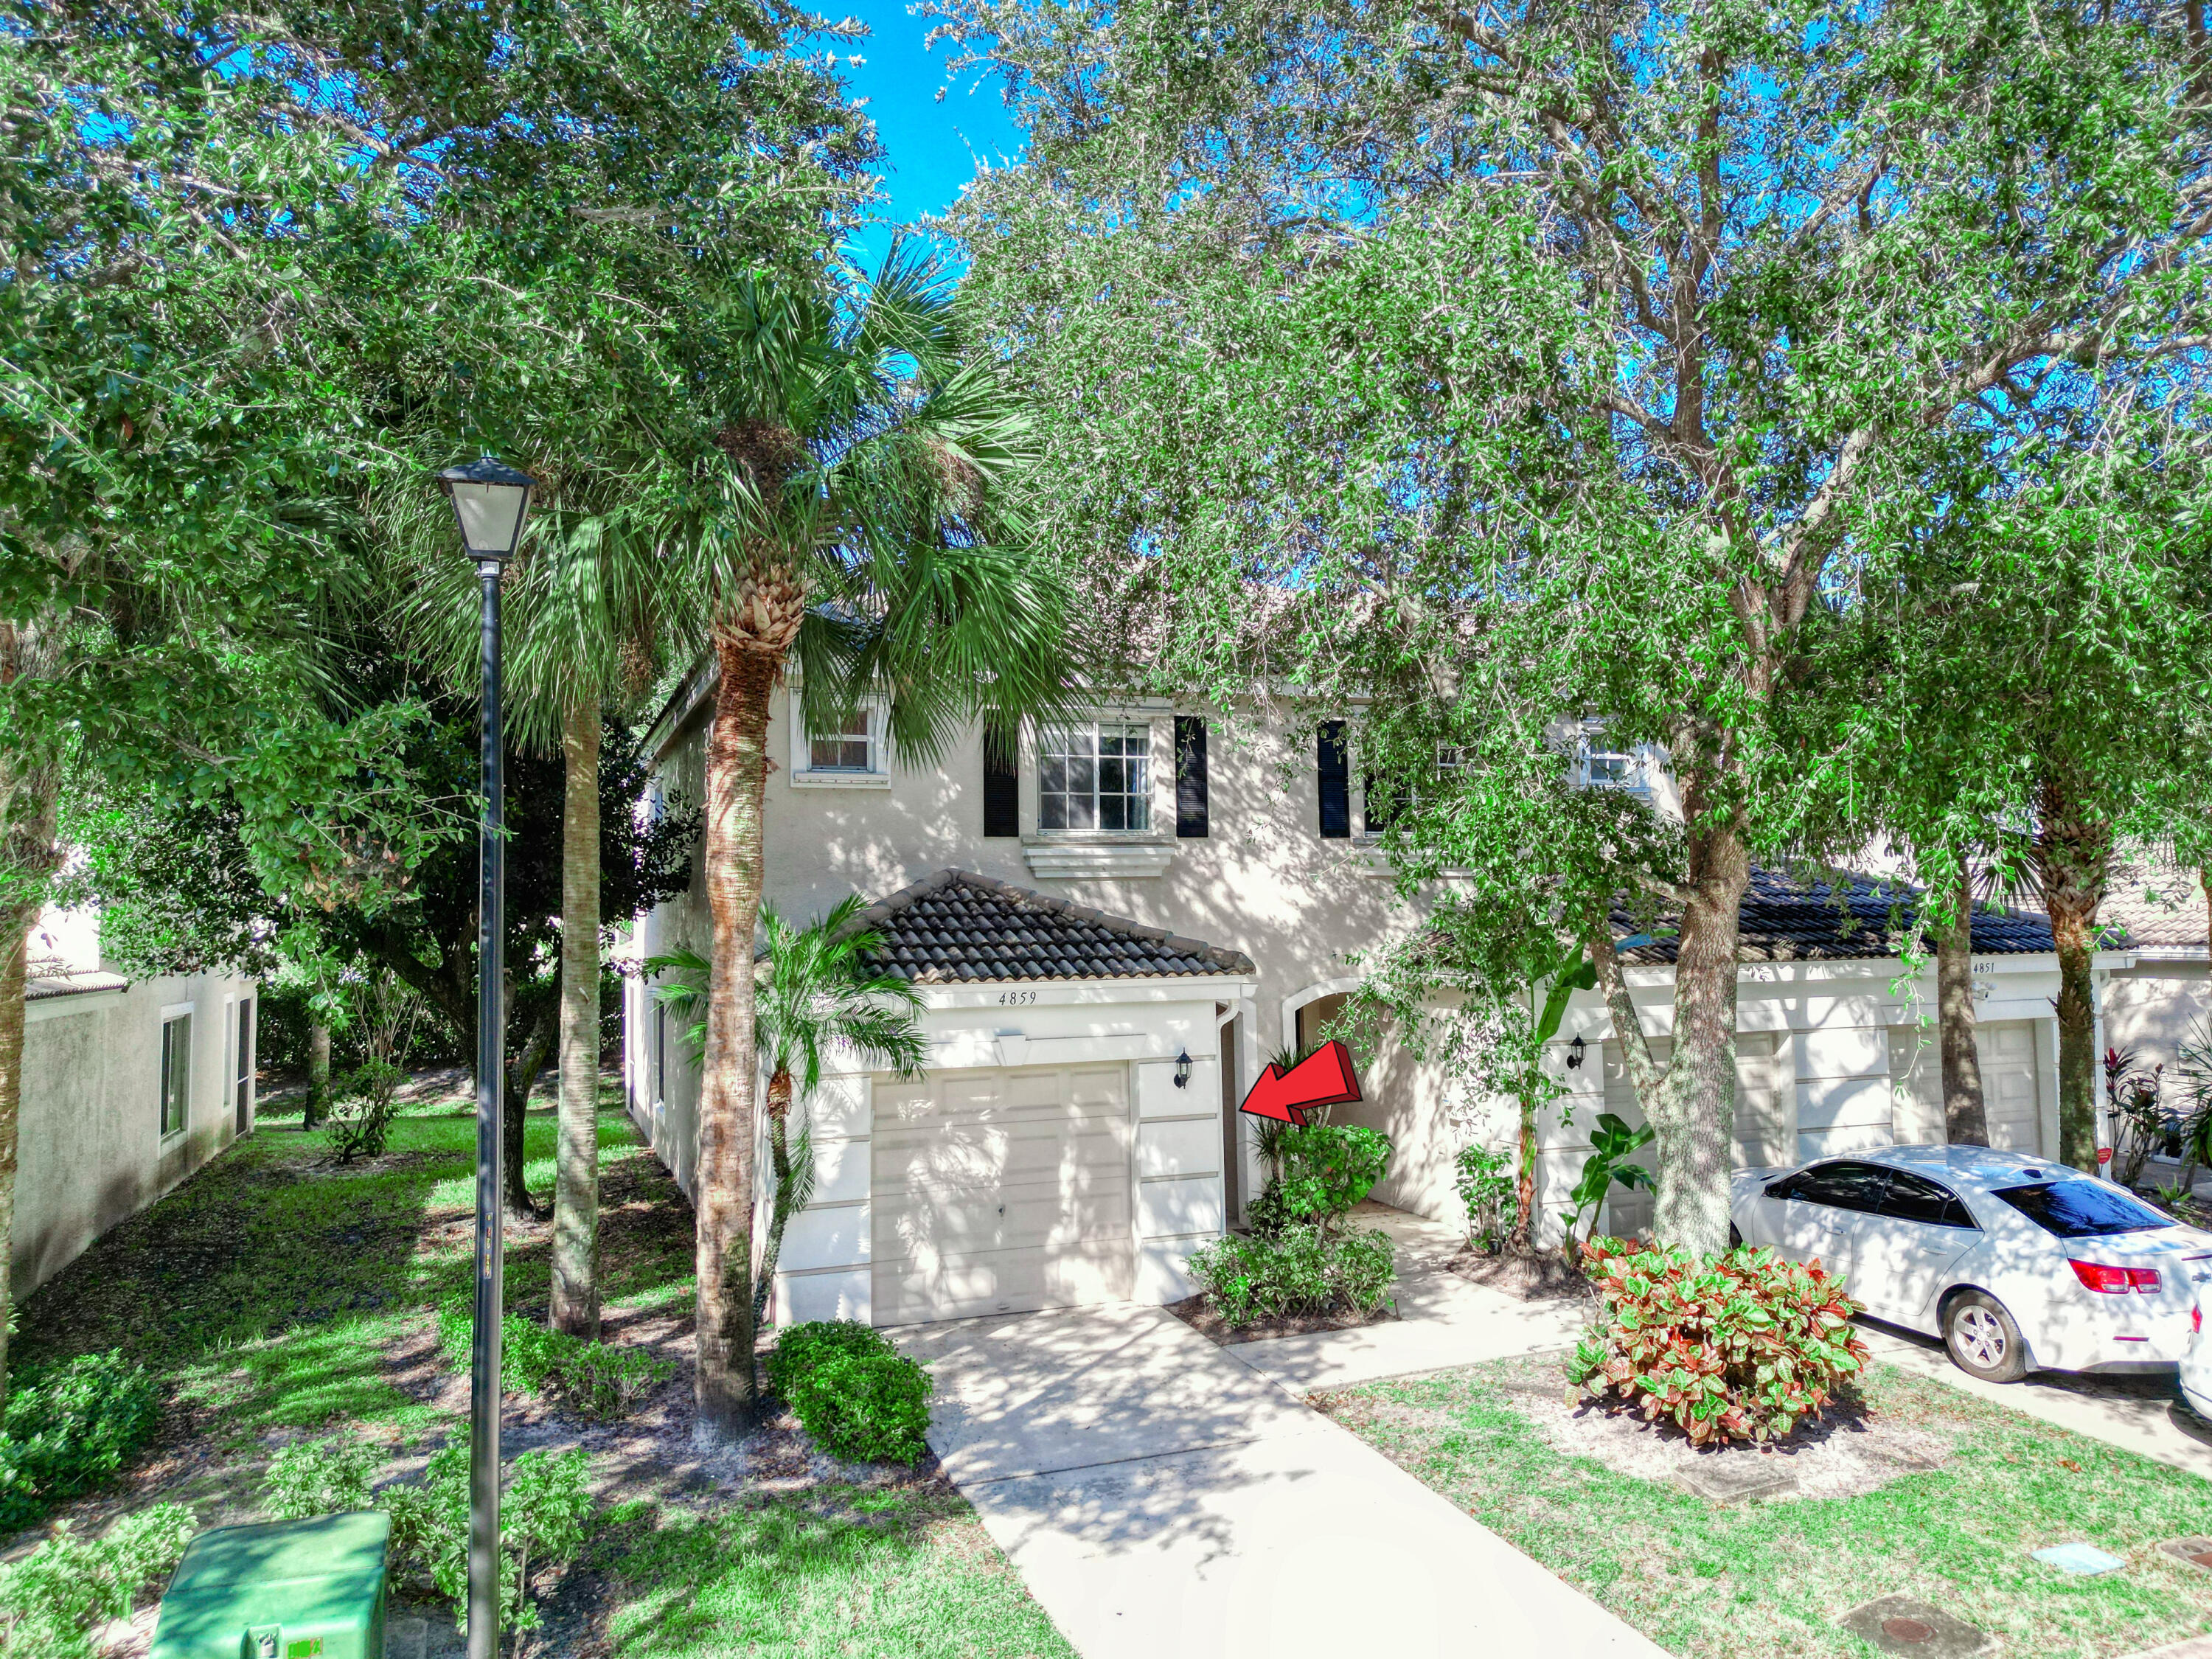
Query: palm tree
{"points": [[870, 456], [816, 992], [587, 613]]}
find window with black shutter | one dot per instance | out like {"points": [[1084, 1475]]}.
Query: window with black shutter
{"points": [[1002, 795], [1333, 761], [1190, 776]]}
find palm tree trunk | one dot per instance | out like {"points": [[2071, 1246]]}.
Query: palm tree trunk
{"points": [[736, 783], [2073, 855], [319, 1075], [1966, 1121], [779, 1162], [576, 1184], [12, 953]]}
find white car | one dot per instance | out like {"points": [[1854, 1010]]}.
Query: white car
{"points": [[2017, 1264]]}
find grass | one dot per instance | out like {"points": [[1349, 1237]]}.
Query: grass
{"points": [[845, 1572], [272, 1290], [1774, 1577]]}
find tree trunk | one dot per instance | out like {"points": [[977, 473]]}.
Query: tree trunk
{"points": [[1966, 1121], [576, 1182], [318, 1076], [1691, 1104], [1521, 1240], [737, 780], [778, 1161], [529, 1063], [16, 947], [2073, 856]]}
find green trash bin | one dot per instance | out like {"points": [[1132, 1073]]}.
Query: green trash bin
{"points": [[290, 1589]]}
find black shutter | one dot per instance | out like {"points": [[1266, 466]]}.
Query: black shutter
{"points": [[1002, 793], [1190, 776], [1335, 764]]}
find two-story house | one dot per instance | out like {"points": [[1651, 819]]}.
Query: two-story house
{"points": [[1115, 932]]}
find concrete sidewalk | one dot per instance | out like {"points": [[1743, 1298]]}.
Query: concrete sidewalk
{"points": [[1445, 1321], [1161, 1499]]}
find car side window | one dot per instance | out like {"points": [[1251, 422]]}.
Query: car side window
{"points": [[1911, 1198], [1841, 1186]]}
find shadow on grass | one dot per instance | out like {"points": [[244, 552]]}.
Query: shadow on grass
{"points": [[900, 1571], [272, 1285]]}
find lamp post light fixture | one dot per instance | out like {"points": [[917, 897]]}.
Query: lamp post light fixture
{"points": [[491, 501]]}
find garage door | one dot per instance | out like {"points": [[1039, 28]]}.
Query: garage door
{"points": [[998, 1191], [2009, 1096]]}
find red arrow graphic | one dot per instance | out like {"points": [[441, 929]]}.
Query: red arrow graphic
{"points": [[1323, 1077]]}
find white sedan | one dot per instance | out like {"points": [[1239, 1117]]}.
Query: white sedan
{"points": [[2017, 1264]]}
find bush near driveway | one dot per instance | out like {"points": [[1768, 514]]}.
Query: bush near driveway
{"points": [[1298, 1270], [1743, 1347], [854, 1393], [1773, 1577]]}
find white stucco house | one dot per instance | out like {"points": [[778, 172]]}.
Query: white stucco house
{"points": [[129, 1085], [1112, 935]]}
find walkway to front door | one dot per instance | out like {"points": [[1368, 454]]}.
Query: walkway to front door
{"points": [[1163, 1499]]}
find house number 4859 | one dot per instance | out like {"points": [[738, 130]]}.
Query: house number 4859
{"points": [[1018, 998]]}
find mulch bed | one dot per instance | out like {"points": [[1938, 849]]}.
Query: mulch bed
{"points": [[1199, 1314], [1539, 1278]]}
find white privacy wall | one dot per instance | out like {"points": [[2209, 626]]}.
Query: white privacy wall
{"points": [[1175, 1139]]}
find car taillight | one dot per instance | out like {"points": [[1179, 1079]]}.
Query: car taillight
{"points": [[2115, 1281]]}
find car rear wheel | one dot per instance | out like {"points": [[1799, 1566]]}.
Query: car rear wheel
{"points": [[1982, 1339]]}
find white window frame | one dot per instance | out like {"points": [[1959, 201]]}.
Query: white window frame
{"points": [[177, 1013], [1148, 830], [804, 774]]}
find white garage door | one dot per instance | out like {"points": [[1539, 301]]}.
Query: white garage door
{"points": [[997, 1192], [2009, 1095]]}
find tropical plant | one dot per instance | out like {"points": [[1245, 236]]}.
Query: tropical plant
{"points": [[1612, 1143], [1744, 1346], [1486, 1191], [815, 992], [2139, 1118], [1297, 1269], [53, 1600], [1327, 1167], [866, 529]]}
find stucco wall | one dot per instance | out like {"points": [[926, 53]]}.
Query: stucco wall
{"points": [[2152, 1007], [91, 1153]]}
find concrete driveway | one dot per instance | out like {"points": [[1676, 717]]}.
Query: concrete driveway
{"points": [[1160, 1498]]}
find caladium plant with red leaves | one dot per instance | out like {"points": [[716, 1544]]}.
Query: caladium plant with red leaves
{"points": [[1742, 1346]]}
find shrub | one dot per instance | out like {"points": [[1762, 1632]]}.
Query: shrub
{"points": [[70, 1428], [541, 1523], [1745, 1346], [1327, 1168], [855, 1394], [53, 1598], [595, 1380], [320, 1477], [1487, 1191], [367, 1100], [1300, 1270]]}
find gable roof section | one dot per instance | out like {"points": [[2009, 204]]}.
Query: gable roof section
{"points": [[2159, 905], [955, 928], [1852, 920]]}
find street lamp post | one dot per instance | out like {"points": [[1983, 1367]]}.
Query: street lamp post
{"points": [[490, 501]]}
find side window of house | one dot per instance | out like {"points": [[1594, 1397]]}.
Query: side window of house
{"points": [[176, 1073], [850, 748], [1095, 776]]}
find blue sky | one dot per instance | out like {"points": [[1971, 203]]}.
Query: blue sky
{"points": [[933, 148]]}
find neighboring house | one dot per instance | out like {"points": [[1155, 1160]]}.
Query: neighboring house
{"points": [[2158, 913], [128, 1087], [1114, 935]]}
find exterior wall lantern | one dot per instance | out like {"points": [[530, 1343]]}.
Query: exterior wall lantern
{"points": [[1182, 1070], [1575, 1052]]}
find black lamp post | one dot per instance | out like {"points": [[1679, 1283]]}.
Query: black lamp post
{"points": [[490, 501]]}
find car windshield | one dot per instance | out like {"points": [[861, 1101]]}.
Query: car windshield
{"points": [[2081, 1209]]}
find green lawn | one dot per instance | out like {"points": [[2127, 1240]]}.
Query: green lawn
{"points": [[1773, 1577], [276, 1291]]}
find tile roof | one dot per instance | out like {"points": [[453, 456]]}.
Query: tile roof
{"points": [[957, 928], [1854, 919], [2157, 904], [54, 978]]}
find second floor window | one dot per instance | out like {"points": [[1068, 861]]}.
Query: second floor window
{"points": [[1612, 768], [1095, 776], [850, 748]]}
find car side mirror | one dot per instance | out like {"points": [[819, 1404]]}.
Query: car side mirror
{"points": [[1774, 1188]]}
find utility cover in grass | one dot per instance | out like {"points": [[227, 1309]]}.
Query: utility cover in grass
{"points": [[1734, 1478], [1900, 1624], [2084, 1559], [2196, 1551]]}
